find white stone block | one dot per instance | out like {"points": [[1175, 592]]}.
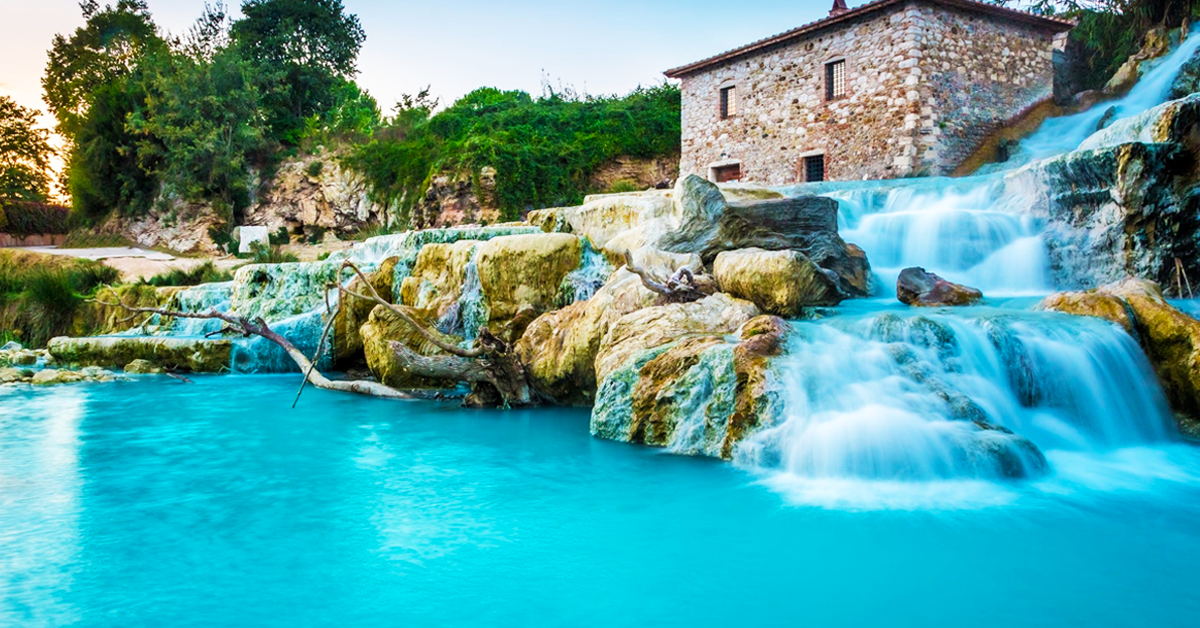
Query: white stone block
{"points": [[247, 236]]}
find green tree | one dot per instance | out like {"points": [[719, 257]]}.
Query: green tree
{"points": [[107, 47], [300, 48], [204, 118], [24, 153]]}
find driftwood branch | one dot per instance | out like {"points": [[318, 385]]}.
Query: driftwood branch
{"points": [[681, 287], [259, 327]]}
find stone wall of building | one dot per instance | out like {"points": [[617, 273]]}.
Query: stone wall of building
{"points": [[924, 85], [782, 113], [976, 74]]}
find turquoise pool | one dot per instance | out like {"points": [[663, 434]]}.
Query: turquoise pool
{"points": [[153, 503]]}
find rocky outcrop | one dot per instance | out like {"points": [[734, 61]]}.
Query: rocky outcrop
{"points": [[697, 394], [275, 292], [437, 281], [456, 198], [633, 173], [316, 191], [1170, 338], [920, 288], [559, 348], [605, 218], [353, 314], [187, 354], [522, 275], [778, 282], [174, 225], [1157, 43], [384, 327]]}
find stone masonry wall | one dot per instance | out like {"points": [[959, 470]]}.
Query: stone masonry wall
{"points": [[781, 108], [924, 85], [976, 74]]}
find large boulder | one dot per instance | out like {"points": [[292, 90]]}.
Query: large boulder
{"points": [[656, 326], [706, 224], [437, 281], [524, 273], [697, 394], [1170, 338], [603, 218], [920, 288], [559, 348], [198, 355], [381, 329], [347, 338], [778, 282]]}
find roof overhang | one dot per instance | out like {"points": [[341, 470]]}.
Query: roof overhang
{"points": [[1022, 17]]}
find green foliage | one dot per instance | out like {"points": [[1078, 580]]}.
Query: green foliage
{"points": [[24, 153], [203, 117], [314, 234], [280, 237], [315, 168], [303, 50], [264, 254], [28, 217], [107, 47], [84, 239], [543, 150], [40, 295], [622, 186], [205, 273]]}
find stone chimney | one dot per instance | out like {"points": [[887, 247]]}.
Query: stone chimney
{"points": [[839, 7]]}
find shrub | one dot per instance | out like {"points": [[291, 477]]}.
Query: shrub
{"points": [[263, 254], [205, 273], [30, 217], [315, 168], [280, 237], [315, 234], [40, 295]]}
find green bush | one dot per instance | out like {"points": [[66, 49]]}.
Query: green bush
{"points": [[544, 150], [205, 273], [314, 234], [40, 295], [314, 168], [280, 237], [29, 217], [263, 254]]}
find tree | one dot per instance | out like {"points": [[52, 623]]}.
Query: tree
{"points": [[204, 117], [24, 153], [301, 48], [101, 51]]}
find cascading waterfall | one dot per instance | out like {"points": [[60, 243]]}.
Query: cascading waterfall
{"points": [[887, 395]]}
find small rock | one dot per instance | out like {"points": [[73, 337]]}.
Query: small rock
{"points": [[920, 288], [10, 376], [142, 367], [25, 358], [11, 346], [50, 377]]}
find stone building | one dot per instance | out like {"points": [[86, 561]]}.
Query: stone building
{"points": [[889, 89]]}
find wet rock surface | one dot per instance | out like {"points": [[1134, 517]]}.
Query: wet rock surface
{"points": [[920, 288]]}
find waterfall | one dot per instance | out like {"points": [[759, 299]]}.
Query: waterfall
{"points": [[583, 282], [915, 397], [901, 397]]}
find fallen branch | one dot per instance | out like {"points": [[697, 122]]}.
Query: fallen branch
{"points": [[259, 327], [681, 287]]}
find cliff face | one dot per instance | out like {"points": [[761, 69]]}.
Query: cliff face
{"points": [[315, 191]]}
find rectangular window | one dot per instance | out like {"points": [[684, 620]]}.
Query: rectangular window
{"points": [[814, 168], [732, 172], [728, 102], [835, 80]]}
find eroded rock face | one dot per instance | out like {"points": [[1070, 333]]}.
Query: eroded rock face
{"points": [[437, 281], [197, 355], [458, 199], [559, 348], [525, 272], [354, 312], [778, 282], [918, 287], [707, 225], [1170, 338], [316, 191], [383, 327], [698, 394]]}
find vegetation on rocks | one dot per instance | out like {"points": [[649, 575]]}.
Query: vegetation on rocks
{"points": [[41, 295]]}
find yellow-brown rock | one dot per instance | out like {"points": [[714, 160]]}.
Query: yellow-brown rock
{"points": [[778, 282], [525, 271], [436, 281], [354, 312], [559, 348], [384, 326]]}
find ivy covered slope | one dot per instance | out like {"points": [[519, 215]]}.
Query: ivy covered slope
{"points": [[543, 150]]}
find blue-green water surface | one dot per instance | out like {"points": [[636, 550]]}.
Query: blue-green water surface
{"points": [[153, 503]]}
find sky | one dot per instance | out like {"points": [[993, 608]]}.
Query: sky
{"points": [[454, 47]]}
